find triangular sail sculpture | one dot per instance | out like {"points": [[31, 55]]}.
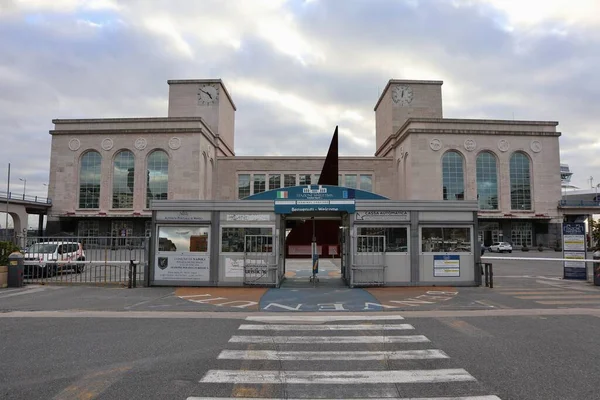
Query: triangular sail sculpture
{"points": [[327, 232]]}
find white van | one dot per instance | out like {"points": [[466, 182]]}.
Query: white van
{"points": [[46, 258]]}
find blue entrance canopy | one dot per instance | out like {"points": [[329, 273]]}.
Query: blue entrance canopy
{"points": [[310, 198]]}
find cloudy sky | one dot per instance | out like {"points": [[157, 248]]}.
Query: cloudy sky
{"points": [[296, 68]]}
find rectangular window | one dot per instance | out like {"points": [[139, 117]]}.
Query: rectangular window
{"points": [[88, 228], [183, 239], [304, 179], [259, 183], [366, 183], [315, 178], [274, 182], [340, 181], [396, 239], [350, 181], [289, 180], [243, 186], [521, 234], [239, 240], [445, 240]]}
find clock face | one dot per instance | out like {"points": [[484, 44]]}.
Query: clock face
{"points": [[208, 94], [402, 95]]}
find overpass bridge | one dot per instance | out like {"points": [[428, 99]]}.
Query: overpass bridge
{"points": [[19, 206]]}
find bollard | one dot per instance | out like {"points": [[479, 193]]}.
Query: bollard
{"points": [[489, 275], [134, 274], [130, 280], [485, 274], [15, 269]]}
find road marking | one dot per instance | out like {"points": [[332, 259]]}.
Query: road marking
{"points": [[464, 327], [558, 296], [92, 385], [541, 292], [514, 289], [337, 377], [328, 339], [26, 291], [274, 355], [370, 398], [323, 318], [567, 302], [359, 327]]}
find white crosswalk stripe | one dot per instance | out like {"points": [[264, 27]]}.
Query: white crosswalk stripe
{"points": [[330, 355], [362, 327], [370, 398], [328, 339], [278, 357]]}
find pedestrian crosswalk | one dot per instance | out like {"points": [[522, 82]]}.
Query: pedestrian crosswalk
{"points": [[555, 295], [336, 357]]}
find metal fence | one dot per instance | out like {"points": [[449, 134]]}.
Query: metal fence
{"points": [[24, 197], [368, 261], [84, 260], [260, 261]]}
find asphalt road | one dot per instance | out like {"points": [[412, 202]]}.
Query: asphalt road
{"points": [[511, 357], [533, 336]]}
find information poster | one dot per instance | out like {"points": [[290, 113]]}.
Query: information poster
{"points": [[182, 268], [574, 249], [446, 266], [234, 268]]}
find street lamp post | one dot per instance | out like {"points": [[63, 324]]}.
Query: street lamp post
{"points": [[24, 180]]}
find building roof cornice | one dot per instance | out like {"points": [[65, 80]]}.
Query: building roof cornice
{"points": [[405, 128]]}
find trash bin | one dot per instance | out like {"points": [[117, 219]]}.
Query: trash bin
{"points": [[15, 269], [597, 268]]}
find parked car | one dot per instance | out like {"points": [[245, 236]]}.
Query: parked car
{"points": [[46, 258], [501, 247]]}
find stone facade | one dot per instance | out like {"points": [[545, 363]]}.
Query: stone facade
{"points": [[411, 136], [379, 168]]}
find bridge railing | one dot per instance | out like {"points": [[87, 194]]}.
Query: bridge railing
{"points": [[24, 197]]}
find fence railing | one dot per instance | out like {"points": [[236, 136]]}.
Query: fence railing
{"points": [[24, 197], [85, 260], [368, 261], [578, 203], [260, 261]]}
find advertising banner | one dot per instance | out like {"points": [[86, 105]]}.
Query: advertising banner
{"points": [[574, 248], [182, 268], [446, 266]]}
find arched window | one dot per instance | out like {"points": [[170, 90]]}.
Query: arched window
{"points": [[487, 181], [157, 177], [520, 182], [453, 176], [123, 173], [90, 170]]}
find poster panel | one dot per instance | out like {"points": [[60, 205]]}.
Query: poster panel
{"points": [[446, 266], [172, 267], [234, 268], [574, 248]]}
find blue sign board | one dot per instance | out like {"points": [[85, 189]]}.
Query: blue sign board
{"points": [[574, 249], [315, 198]]}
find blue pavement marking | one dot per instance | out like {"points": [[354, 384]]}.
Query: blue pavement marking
{"points": [[318, 299]]}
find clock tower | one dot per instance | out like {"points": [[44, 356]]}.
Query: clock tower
{"points": [[207, 99], [404, 99]]}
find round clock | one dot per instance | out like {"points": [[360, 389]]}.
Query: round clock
{"points": [[207, 94], [402, 95]]}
